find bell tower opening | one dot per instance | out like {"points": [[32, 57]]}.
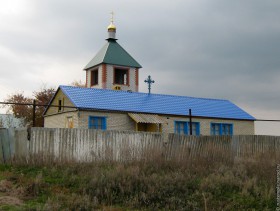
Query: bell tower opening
{"points": [[94, 78], [121, 76]]}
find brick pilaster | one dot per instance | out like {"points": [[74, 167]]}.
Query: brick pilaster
{"points": [[86, 78], [136, 79], [104, 76]]}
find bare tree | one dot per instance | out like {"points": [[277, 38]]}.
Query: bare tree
{"points": [[78, 83], [25, 112], [42, 97], [19, 110]]}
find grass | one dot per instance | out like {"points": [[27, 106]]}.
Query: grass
{"points": [[156, 184]]}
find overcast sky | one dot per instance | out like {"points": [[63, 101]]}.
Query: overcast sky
{"points": [[200, 48]]}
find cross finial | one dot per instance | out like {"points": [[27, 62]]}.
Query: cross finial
{"points": [[149, 81], [112, 17]]}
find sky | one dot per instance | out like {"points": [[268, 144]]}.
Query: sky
{"points": [[211, 49]]}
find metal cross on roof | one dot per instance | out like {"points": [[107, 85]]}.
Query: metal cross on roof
{"points": [[149, 81]]}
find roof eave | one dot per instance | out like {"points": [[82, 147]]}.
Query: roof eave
{"points": [[50, 102], [93, 66], [179, 115], [87, 68]]}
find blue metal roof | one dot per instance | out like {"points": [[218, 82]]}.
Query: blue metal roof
{"points": [[103, 99]]}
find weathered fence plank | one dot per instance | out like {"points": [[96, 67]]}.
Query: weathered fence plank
{"points": [[2, 137], [6, 144]]}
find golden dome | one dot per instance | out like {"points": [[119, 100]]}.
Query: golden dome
{"points": [[111, 27]]}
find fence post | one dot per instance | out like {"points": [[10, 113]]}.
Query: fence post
{"points": [[34, 113], [2, 134]]}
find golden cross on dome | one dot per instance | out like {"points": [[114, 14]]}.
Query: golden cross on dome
{"points": [[112, 17]]}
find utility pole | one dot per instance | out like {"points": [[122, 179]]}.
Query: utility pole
{"points": [[190, 115]]}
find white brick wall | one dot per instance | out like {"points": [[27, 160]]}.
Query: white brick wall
{"points": [[239, 127], [121, 121], [60, 120], [115, 121], [110, 76]]}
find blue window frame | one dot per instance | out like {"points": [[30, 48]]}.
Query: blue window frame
{"points": [[221, 129], [97, 122], [182, 127]]}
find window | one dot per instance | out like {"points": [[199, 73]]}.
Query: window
{"points": [[182, 127], [60, 104], [195, 128], [121, 76], [221, 129], [69, 122], [94, 78], [96, 122]]}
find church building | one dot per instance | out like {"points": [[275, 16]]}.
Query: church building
{"points": [[111, 101]]}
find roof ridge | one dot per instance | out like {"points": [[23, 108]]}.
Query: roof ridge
{"points": [[105, 52], [105, 49], [127, 53], [143, 93]]}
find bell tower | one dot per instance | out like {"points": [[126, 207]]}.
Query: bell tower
{"points": [[113, 67]]}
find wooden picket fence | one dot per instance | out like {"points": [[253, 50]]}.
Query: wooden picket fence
{"points": [[87, 145]]}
